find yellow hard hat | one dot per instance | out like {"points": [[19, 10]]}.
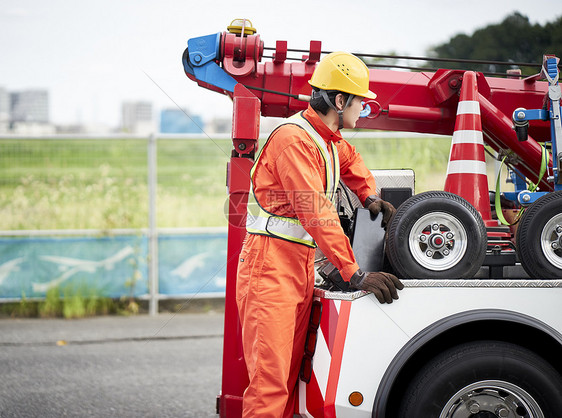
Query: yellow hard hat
{"points": [[344, 72], [237, 24]]}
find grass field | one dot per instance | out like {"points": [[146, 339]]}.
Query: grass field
{"points": [[102, 184]]}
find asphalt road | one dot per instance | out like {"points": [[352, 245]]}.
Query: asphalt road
{"points": [[140, 366]]}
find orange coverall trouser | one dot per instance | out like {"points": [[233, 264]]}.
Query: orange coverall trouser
{"points": [[274, 295]]}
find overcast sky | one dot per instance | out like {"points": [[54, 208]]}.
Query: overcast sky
{"points": [[94, 55]]}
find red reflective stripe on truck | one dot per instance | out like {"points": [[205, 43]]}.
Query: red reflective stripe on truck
{"points": [[335, 364], [328, 322], [314, 401]]}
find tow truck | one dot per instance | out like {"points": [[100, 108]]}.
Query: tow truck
{"points": [[477, 330]]}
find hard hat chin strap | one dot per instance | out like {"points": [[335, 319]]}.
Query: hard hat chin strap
{"points": [[324, 95]]}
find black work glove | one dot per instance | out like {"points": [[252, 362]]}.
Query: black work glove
{"points": [[375, 205], [382, 284]]}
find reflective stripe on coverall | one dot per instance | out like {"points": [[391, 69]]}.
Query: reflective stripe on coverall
{"points": [[276, 277], [260, 221]]}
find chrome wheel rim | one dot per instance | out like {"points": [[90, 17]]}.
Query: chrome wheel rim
{"points": [[492, 398], [438, 241], [551, 241]]}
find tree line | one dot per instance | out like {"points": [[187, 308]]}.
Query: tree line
{"points": [[515, 39]]}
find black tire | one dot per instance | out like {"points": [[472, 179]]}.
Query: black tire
{"points": [[539, 238], [491, 373], [437, 257]]}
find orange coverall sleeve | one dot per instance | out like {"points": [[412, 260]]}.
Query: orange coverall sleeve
{"points": [[354, 172], [300, 170]]}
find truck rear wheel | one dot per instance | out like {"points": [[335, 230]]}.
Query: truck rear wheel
{"points": [[436, 235], [484, 379], [539, 238]]}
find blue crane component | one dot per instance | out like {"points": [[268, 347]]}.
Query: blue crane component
{"points": [[549, 112], [199, 60]]}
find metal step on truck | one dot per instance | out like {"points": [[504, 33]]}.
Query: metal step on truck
{"points": [[477, 330]]}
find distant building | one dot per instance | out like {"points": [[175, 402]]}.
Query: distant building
{"points": [[29, 106], [86, 128], [32, 128], [4, 110], [137, 118], [219, 126], [178, 121], [4, 105]]}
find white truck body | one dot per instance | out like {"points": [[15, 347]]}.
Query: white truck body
{"points": [[373, 341]]}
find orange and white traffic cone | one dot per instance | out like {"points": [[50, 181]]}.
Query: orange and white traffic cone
{"points": [[466, 172]]}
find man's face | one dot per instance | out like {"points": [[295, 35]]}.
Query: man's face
{"points": [[351, 113]]}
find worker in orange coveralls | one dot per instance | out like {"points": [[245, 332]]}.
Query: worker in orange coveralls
{"points": [[290, 212]]}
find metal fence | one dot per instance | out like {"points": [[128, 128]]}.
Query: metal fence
{"points": [[72, 206], [139, 216]]}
